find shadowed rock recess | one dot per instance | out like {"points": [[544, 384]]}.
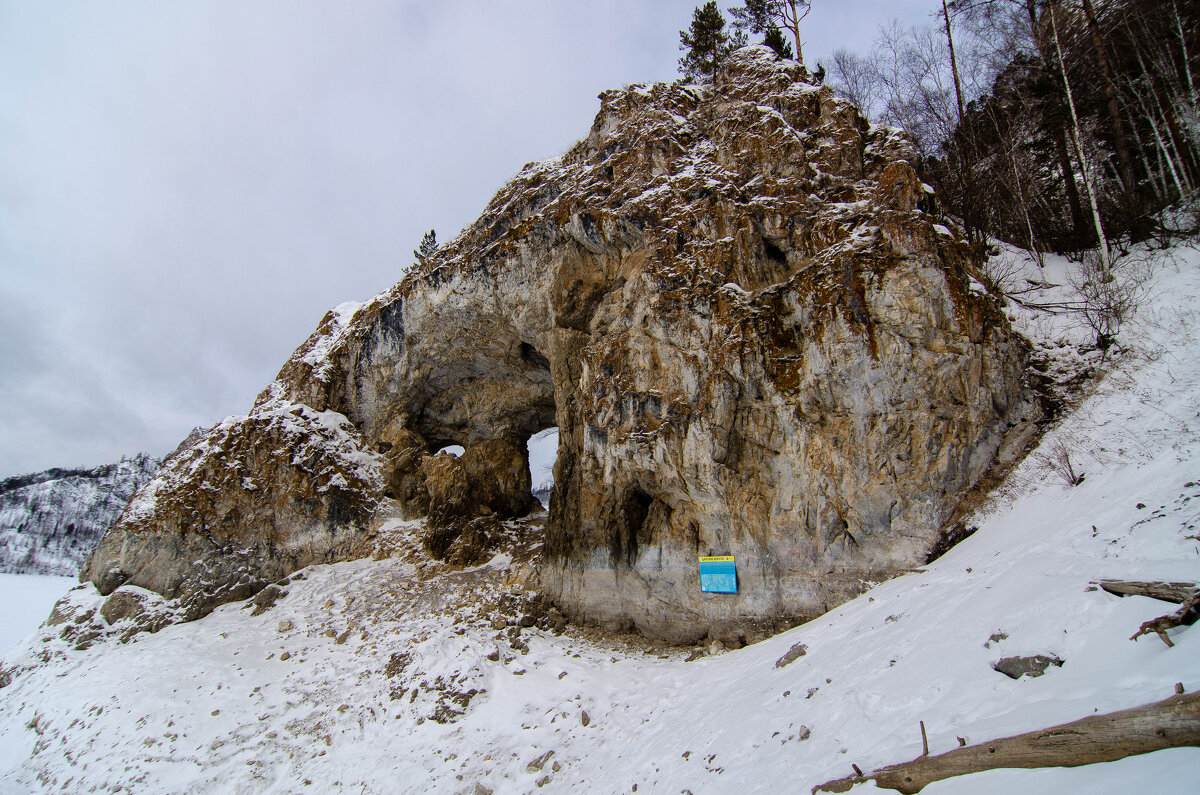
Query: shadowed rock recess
{"points": [[752, 339]]}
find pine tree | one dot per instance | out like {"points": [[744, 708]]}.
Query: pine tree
{"points": [[775, 40], [427, 248], [705, 44]]}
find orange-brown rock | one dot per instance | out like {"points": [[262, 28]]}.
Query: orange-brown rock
{"points": [[752, 338]]}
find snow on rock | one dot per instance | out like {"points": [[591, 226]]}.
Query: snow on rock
{"points": [[403, 674], [251, 500]]}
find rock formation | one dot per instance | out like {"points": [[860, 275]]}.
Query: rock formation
{"points": [[752, 338]]}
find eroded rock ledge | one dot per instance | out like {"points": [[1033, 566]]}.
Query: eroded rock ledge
{"points": [[753, 340]]}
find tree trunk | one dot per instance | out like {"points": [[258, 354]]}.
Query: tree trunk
{"points": [[1174, 592], [1068, 172], [1171, 723], [968, 208], [1105, 260], [793, 24], [1120, 140]]}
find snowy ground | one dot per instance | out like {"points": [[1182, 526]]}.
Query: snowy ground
{"points": [[25, 601], [388, 676]]}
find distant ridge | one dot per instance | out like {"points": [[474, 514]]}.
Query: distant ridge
{"points": [[50, 521]]}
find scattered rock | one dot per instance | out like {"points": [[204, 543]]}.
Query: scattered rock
{"points": [[796, 652], [480, 789], [266, 598], [1016, 667], [584, 718], [396, 664], [287, 655], [137, 610], [538, 762], [285, 625]]}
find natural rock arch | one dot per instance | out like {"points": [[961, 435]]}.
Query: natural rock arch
{"points": [[752, 340]]}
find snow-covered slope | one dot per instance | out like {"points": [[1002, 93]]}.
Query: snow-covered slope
{"points": [[50, 521], [388, 675]]}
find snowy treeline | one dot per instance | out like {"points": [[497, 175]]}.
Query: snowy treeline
{"points": [[50, 521]]}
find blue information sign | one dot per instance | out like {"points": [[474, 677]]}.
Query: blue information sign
{"points": [[718, 575]]}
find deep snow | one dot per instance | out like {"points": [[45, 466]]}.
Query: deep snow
{"points": [[378, 651]]}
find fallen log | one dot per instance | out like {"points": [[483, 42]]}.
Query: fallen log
{"points": [[1177, 592], [1171, 723]]}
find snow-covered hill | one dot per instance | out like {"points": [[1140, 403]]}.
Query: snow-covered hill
{"points": [[50, 521], [391, 675]]}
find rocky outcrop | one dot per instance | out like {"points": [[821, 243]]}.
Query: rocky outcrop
{"points": [[752, 339], [254, 499]]}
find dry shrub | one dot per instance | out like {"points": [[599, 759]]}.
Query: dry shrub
{"points": [[1057, 457]]}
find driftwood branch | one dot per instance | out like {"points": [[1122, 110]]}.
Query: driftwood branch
{"points": [[1177, 592], [1170, 723], [1185, 616]]}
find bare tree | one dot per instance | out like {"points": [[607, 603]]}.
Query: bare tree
{"points": [[856, 79]]}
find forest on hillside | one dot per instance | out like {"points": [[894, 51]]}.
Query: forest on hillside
{"points": [[1050, 125], [1068, 126]]}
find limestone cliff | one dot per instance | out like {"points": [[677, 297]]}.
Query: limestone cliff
{"points": [[752, 338]]}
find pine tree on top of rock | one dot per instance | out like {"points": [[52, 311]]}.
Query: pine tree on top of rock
{"points": [[428, 247], [705, 44], [775, 40]]}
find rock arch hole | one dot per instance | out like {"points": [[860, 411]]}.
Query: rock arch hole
{"points": [[543, 452]]}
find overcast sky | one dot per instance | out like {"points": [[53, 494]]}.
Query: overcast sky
{"points": [[186, 187]]}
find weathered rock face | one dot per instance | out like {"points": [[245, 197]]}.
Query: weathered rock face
{"points": [[254, 499], [752, 340]]}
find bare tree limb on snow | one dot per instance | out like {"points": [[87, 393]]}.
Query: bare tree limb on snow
{"points": [[1171, 723]]}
